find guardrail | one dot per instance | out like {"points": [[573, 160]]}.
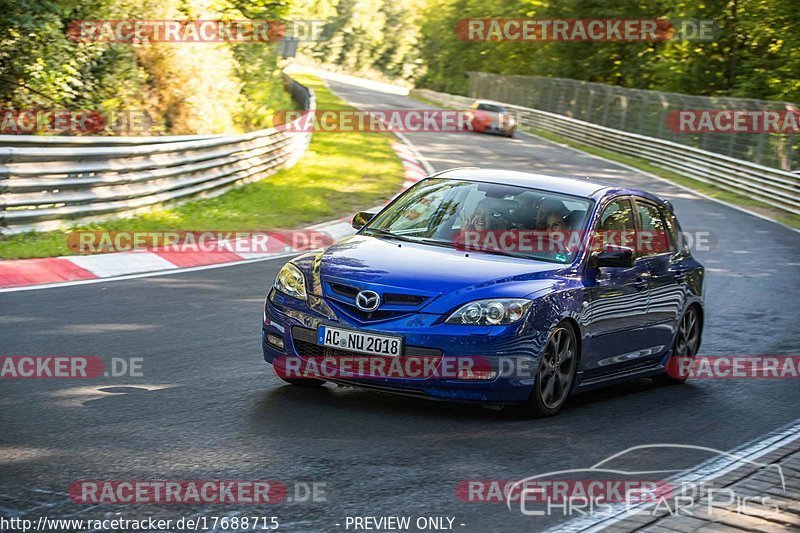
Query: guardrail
{"points": [[48, 182], [774, 187], [650, 113]]}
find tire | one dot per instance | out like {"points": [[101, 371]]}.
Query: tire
{"points": [[687, 343], [556, 374]]}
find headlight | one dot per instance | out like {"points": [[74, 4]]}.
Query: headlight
{"points": [[494, 312], [291, 281]]}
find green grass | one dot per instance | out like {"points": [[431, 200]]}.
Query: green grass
{"points": [[761, 208], [339, 174]]}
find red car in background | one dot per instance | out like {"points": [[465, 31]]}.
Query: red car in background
{"points": [[491, 117]]}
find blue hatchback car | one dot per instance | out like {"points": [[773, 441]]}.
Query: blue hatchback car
{"points": [[501, 267]]}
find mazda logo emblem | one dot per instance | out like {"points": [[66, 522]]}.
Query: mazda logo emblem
{"points": [[368, 300]]}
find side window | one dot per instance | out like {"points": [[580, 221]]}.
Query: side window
{"points": [[616, 224], [674, 229], [654, 238]]}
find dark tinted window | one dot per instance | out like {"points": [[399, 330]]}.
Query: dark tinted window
{"points": [[439, 211], [492, 108]]}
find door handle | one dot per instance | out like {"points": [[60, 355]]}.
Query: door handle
{"points": [[642, 281]]}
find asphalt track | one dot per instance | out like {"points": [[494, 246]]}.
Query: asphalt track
{"points": [[208, 407]]}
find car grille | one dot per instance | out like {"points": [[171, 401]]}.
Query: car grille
{"points": [[393, 305], [372, 316]]}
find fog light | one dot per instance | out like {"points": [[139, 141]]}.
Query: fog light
{"points": [[275, 341], [477, 374]]}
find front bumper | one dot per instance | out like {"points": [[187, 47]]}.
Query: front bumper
{"points": [[515, 348], [499, 129]]}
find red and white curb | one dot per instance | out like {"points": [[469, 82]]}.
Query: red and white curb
{"points": [[28, 274]]}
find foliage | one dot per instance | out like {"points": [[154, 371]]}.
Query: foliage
{"points": [[184, 88], [339, 174], [754, 53]]}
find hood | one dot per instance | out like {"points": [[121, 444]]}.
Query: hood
{"points": [[440, 278]]}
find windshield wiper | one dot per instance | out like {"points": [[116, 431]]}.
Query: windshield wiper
{"points": [[510, 253], [437, 242], [505, 252], [389, 235]]}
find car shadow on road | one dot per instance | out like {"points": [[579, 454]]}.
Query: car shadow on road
{"points": [[344, 403]]}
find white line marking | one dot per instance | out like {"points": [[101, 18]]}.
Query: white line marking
{"points": [[421, 158], [146, 274], [121, 264]]}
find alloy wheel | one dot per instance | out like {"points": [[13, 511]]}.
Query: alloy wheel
{"points": [[687, 342], [557, 369]]}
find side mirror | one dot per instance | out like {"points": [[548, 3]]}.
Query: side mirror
{"points": [[361, 219], [612, 256]]}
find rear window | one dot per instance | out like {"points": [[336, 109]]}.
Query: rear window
{"points": [[492, 108]]}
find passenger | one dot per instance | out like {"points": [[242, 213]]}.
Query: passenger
{"points": [[488, 216], [555, 223], [550, 208]]}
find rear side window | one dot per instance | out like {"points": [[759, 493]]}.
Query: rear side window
{"points": [[654, 237], [673, 228]]}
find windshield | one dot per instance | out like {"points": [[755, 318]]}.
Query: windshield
{"points": [[492, 108], [456, 213]]}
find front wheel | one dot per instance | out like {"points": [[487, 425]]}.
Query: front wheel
{"points": [[687, 343], [556, 373]]}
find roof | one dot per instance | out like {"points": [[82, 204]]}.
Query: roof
{"points": [[571, 186]]}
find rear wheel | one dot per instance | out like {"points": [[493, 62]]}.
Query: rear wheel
{"points": [[556, 373], [687, 343]]}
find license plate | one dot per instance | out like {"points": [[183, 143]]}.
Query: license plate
{"points": [[358, 341]]}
